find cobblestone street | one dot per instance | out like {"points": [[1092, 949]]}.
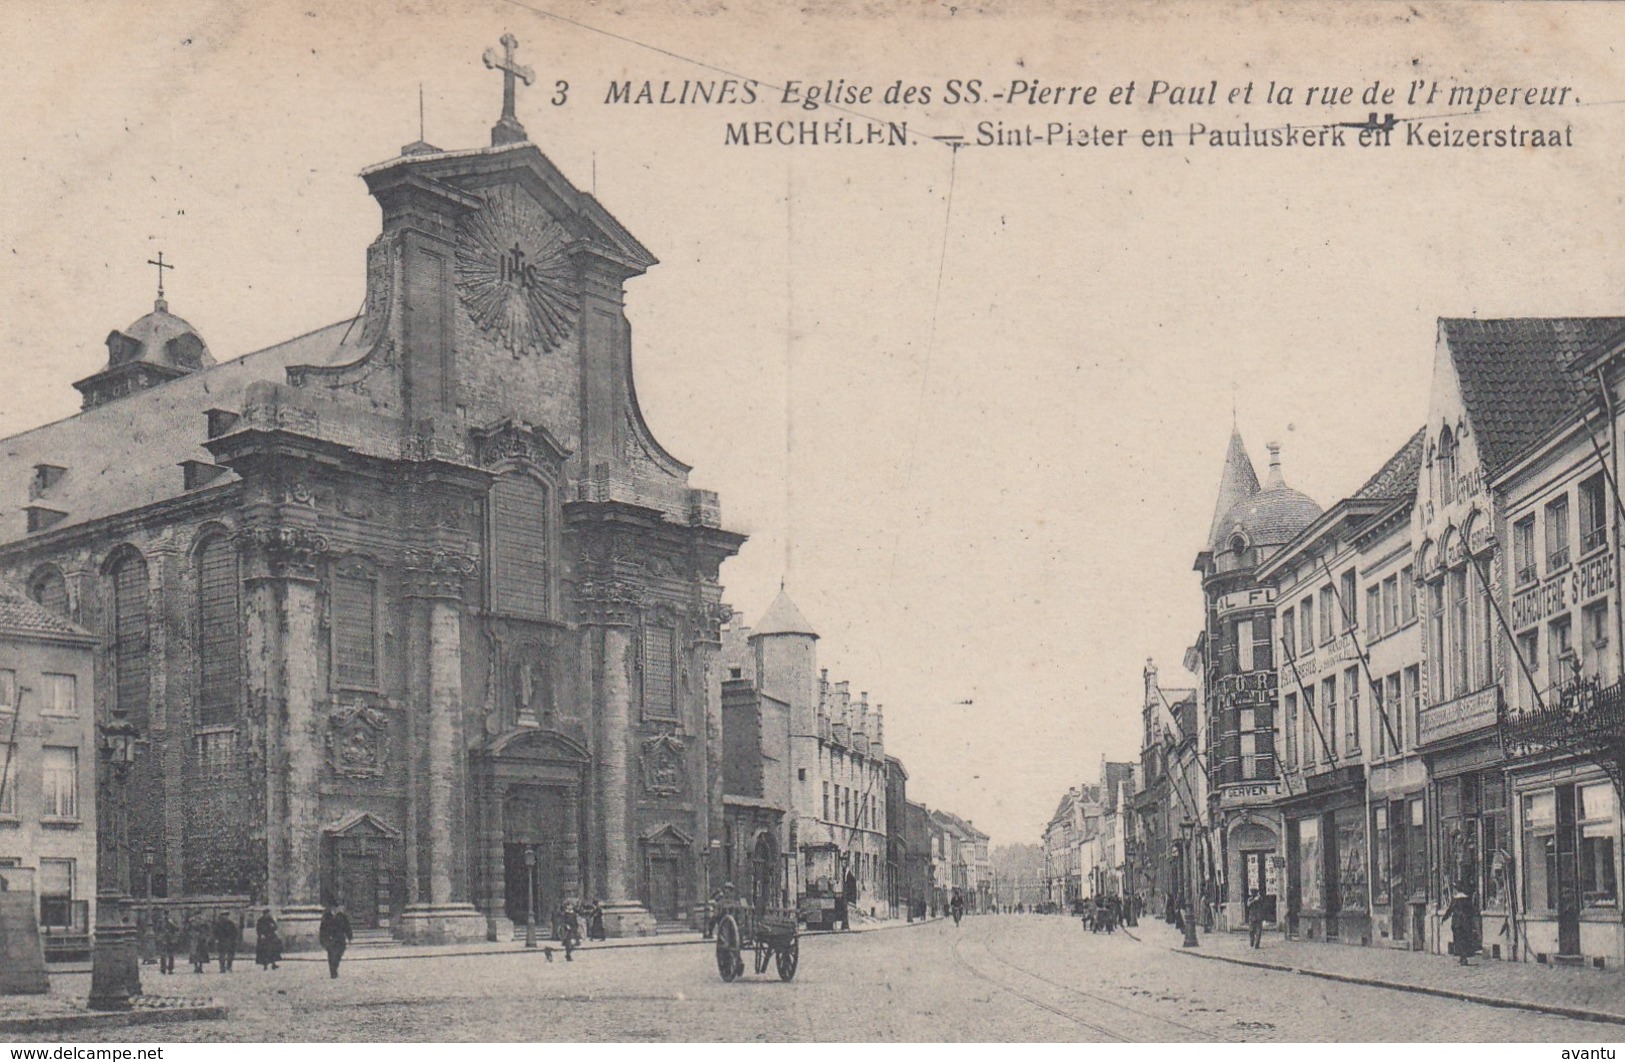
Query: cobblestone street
{"points": [[1019, 978]]}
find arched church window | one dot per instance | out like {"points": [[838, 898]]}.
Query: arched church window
{"points": [[520, 560], [1447, 466], [219, 662], [49, 589], [354, 610], [132, 689]]}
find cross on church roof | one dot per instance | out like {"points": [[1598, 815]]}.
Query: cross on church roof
{"points": [[162, 265], [508, 130]]}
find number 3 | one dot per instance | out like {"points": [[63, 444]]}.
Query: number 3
{"points": [[561, 93]]}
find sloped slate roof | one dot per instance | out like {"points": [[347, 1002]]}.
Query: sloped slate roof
{"points": [[1398, 475], [127, 453], [1238, 481], [783, 617], [1519, 376], [19, 615]]}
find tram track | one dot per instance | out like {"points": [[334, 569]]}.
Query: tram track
{"points": [[1185, 1032]]}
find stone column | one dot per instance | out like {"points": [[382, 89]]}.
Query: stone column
{"points": [[284, 654], [436, 579], [610, 623]]}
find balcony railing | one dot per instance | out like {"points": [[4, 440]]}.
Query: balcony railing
{"points": [[1581, 716]]}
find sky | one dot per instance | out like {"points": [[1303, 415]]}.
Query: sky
{"points": [[969, 405]]}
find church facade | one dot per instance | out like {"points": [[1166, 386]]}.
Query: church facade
{"points": [[413, 611]]}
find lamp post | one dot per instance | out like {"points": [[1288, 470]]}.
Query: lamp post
{"points": [[1188, 843], [530, 896], [115, 973]]}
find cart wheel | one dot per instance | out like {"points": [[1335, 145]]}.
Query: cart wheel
{"points": [[788, 956], [764, 956], [729, 965]]}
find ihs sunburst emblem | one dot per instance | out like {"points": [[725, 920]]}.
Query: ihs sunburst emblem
{"points": [[515, 276]]}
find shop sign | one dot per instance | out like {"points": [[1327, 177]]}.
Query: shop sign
{"points": [[1240, 599], [1249, 794], [1252, 689], [1460, 716], [1587, 580]]}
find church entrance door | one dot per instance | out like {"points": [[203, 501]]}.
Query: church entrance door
{"points": [[534, 820], [664, 886], [359, 887]]}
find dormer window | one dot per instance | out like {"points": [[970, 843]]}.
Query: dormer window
{"points": [[45, 477]]}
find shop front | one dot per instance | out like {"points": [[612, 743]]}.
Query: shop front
{"points": [[1568, 852], [1253, 853], [1399, 855], [1472, 846], [1328, 895]]}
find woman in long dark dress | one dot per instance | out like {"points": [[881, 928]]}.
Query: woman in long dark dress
{"points": [[267, 945], [1464, 925], [200, 931]]}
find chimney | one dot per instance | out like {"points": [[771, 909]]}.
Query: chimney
{"points": [[1276, 481]]}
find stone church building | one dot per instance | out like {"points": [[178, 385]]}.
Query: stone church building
{"points": [[409, 601]]}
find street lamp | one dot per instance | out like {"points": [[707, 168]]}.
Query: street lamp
{"points": [[115, 973], [1189, 885], [530, 896]]}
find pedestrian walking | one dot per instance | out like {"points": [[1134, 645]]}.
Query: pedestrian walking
{"points": [[334, 935], [595, 921], [267, 944], [957, 906], [1255, 919], [168, 935], [227, 935], [1465, 929], [198, 932]]}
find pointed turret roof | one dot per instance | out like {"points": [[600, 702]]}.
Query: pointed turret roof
{"points": [[1238, 482], [783, 617]]}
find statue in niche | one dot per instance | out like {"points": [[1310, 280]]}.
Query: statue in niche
{"points": [[532, 696]]}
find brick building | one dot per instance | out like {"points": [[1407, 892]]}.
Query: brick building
{"points": [[403, 598]]}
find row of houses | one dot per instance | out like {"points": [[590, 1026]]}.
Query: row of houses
{"points": [[1085, 841], [1415, 691], [813, 804]]}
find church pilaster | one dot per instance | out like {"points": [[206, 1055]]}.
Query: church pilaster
{"points": [[435, 586], [284, 653]]}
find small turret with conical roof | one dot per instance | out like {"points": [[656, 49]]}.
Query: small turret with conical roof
{"points": [[786, 649], [1238, 482]]}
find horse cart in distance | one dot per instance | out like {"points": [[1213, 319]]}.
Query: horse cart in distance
{"points": [[770, 934]]}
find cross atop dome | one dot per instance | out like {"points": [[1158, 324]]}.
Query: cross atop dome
{"points": [[508, 130]]}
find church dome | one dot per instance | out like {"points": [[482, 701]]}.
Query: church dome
{"points": [[159, 338], [1271, 517]]}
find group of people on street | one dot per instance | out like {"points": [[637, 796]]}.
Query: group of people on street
{"points": [[1104, 914], [203, 938]]}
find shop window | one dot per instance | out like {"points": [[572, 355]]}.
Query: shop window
{"points": [[1598, 823], [1351, 859], [1309, 866], [55, 885], [1381, 866], [1557, 534], [1539, 814], [1523, 550], [1593, 514], [59, 770]]}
